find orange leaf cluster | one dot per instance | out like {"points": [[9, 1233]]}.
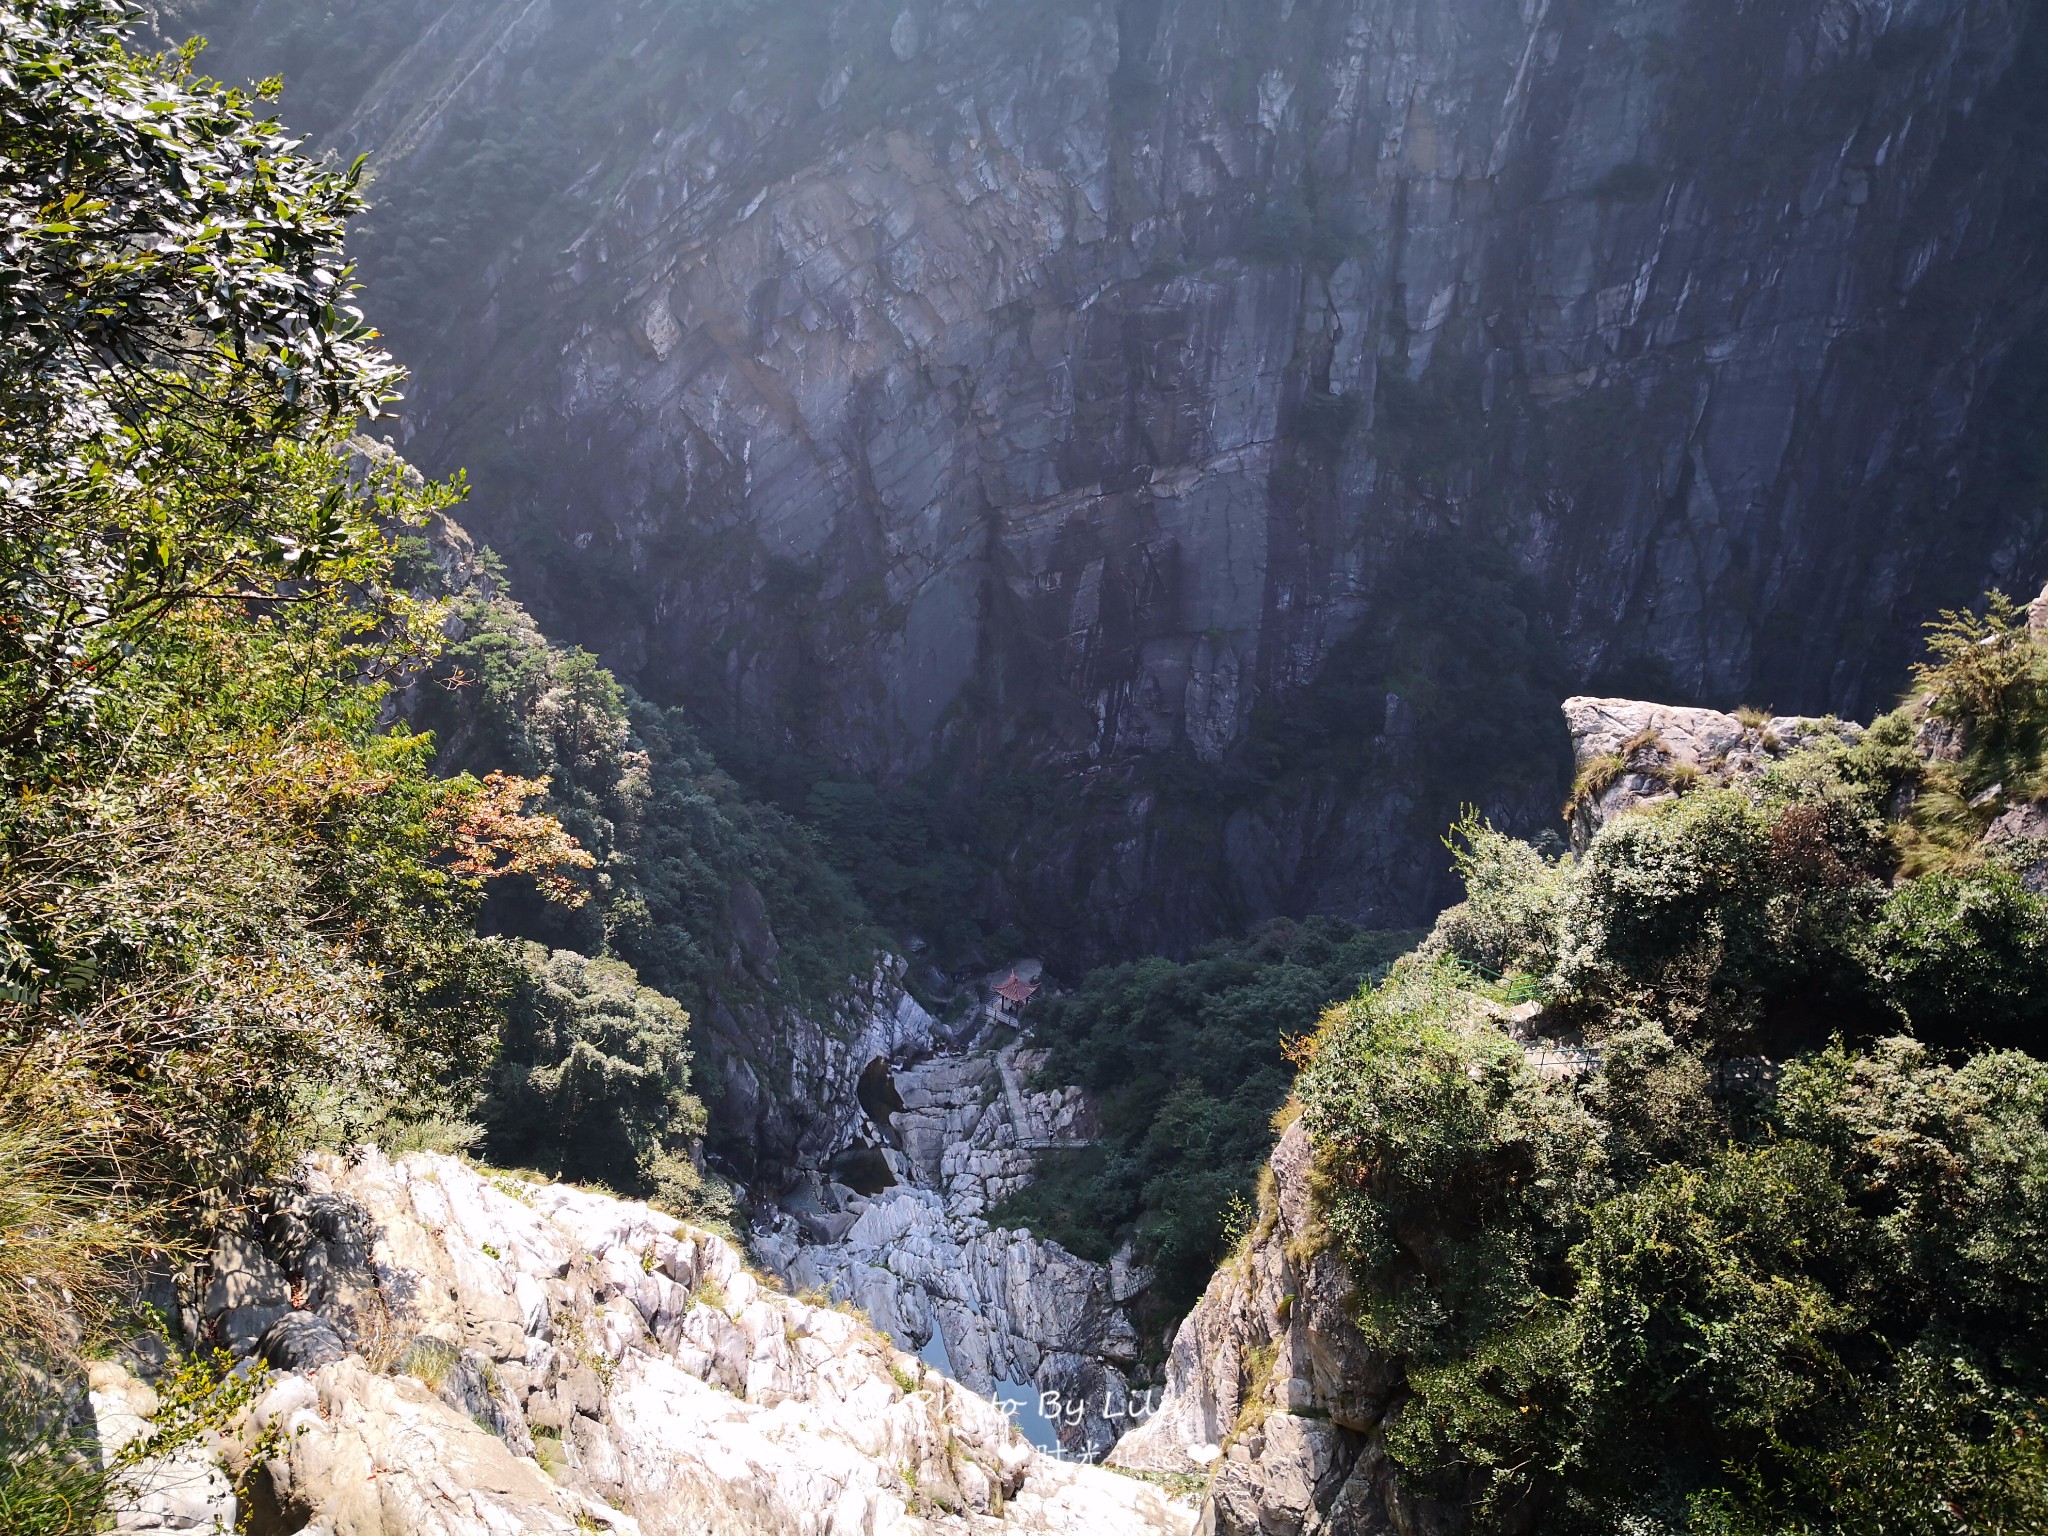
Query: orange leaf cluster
{"points": [[490, 834]]}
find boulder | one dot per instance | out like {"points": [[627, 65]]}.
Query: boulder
{"points": [[2027, 827], [247, 1294], [1629, 753], [301, 1341], [184, 1490], [361, 1454]]}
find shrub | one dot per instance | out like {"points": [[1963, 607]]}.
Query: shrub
{"points": [[1188, 1065], [1508, 922], [1427, 1120], [692, 1194], [1666, 915], [1985, 686], [1987, 676], [592, 1080], [1624, 1303], [1964, 956]]}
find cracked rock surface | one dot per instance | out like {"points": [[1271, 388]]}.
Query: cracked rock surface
{"points": [[1652, 750], [536, 1358], [1012, 1313]]}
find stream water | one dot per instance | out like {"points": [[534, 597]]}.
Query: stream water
{"points": [[1019, 1400]]}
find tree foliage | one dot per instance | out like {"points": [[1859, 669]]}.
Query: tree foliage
{"points": [[676, 843], [1188, 1064], [236, 910], [1684, 1291], [593, 1078], [175, 335]]}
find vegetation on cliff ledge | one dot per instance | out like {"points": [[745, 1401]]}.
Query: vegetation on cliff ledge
{"points": [[1767, 1259], [1187, 1063]]}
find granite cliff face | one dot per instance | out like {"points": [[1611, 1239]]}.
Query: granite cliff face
{"points": [[1254, 414], [788, 1079]]}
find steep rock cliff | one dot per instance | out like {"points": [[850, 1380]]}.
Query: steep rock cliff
{"points": [[788, 1079], [1104, 385], [1271, 1384]]}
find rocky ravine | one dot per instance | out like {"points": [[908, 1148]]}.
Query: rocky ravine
{"points": [[1052, 383], [463, 1354], [1011, 1314], [788, 1078], [786, 1075]]}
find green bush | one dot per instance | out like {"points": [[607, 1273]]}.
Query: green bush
{"points": [[1669, 915], [1964, 956], [1188, 1065], [1672, 1295], [592, 1078], [1428, 1119], [1508, 923], [1761, 917], [1634, 1300]]}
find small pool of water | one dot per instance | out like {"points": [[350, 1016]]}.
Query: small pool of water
{"points": [[1021, 1401], [1018, 1399]]}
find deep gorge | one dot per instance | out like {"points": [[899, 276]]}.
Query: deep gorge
{"points": [[1291, 747], [1200, 439]]}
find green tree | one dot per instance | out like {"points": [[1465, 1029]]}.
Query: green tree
{"points": [[175, 335], [1188, 1064], [235, 910], [593, 1079]]}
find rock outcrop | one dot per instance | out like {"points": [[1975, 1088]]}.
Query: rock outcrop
{"points": [[1270, 1382], [788, 1078], [1006, 1312], [468, 1354], [1272, 1386], [1630, 753], [1046, 384]]}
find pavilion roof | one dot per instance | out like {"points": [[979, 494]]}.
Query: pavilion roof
{"points": [[1016, 989]]}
